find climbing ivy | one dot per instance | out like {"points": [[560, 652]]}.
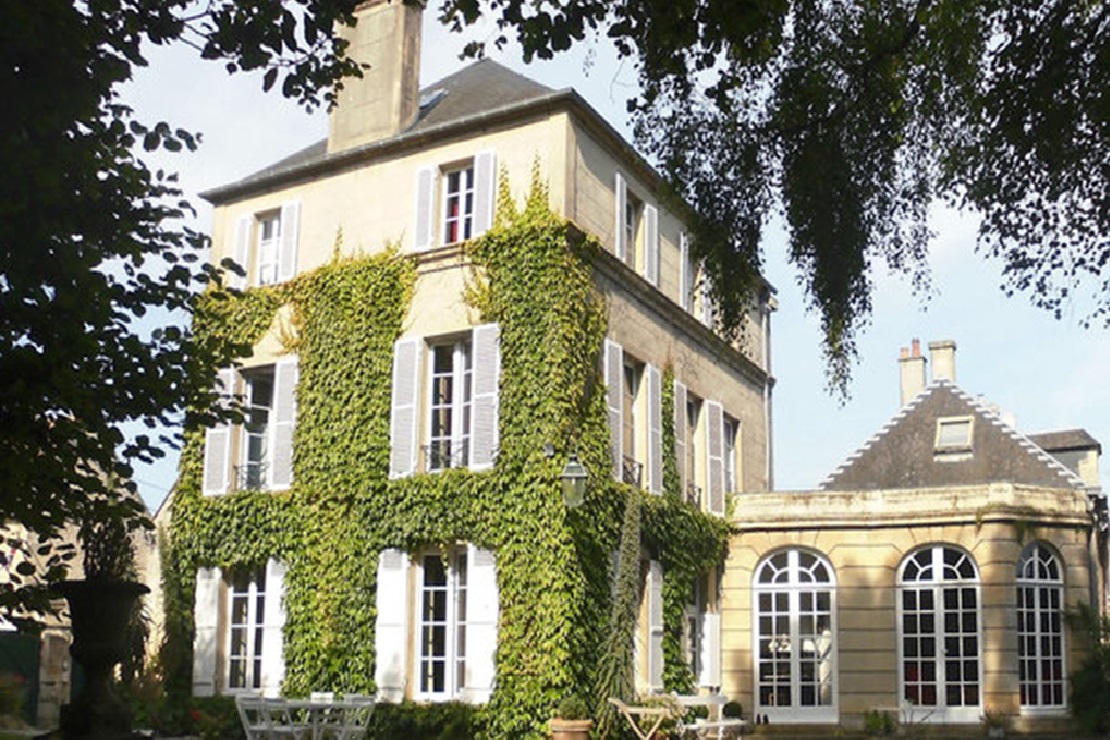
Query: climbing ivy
{"points": [[532, 275]]}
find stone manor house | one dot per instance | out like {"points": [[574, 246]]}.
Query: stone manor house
{"points": [[932, 567]]}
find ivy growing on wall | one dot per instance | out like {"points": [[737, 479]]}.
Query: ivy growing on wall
{"points": [[532, 274]]}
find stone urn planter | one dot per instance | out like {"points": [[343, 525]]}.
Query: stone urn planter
{"points": [[100, 611], [570, 729]]}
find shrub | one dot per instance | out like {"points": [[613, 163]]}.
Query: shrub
{"points": [[733, 710], [878, 723], [573, 707], [445, 721]]}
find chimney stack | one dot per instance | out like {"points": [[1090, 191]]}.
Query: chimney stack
{"points": [[386, 100], [912, 370], [943, 355]]}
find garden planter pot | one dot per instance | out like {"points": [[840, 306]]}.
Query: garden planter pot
{"points": [[570, 729], [100, 611]]}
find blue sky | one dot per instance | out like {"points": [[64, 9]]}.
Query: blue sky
{"points": [[1048, 373]]}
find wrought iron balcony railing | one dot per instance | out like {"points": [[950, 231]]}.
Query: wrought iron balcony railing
{"points": [[252, 476], [693, 495], [632, 471], [446, 453]]}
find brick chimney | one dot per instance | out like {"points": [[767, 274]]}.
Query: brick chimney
{"points": [[912, 370], [943, 356], [387, 98]]}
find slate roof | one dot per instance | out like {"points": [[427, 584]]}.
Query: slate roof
{"points": [[1066, 440], [902, 454], [480, 90]]}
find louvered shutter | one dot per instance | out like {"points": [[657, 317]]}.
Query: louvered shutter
{"points": [[402, 421], [290, 235], [680, 436], [655, 625], [487, 372], [241, 250], [686, 282], [710, 660], [614, 380], [655, 430], [481, 626], [485, 191], [285, 417], [651, 244], [217, 440], [621, 192], [273, 623], [206, 622], [390, 634], [715, 470], [424, 228]]}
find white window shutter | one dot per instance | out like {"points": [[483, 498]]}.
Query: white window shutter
{"points": [[485, 191], [241, 250], [390, 634], [655, 430], [425, 208], [710, 659], [402, 421], [684, 476], [217, 441], [620, 189], [487, 374], [707, 299], [285, 417], [290, 234], [686, 281], [715, 469], [273, 624], [651, 244], [614, 380], [655, 625], [481, 626], [206, 622]]}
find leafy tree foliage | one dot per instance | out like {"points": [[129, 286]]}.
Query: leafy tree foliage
{"points": [[852, 117], [92, 242]]}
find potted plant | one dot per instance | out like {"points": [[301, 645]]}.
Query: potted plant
{"points": [[104, 611], [996, 723], [572, 720]]}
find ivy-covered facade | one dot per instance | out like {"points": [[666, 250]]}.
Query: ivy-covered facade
{"points": [[434, 319]]}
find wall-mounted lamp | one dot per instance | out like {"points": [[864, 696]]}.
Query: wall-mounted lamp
{"points": [[574, 482]]}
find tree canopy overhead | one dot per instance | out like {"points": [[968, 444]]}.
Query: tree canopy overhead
{"points": [[852, 117]]}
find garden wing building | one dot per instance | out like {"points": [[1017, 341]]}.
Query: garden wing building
{"points": [[927, 577], [385, 517]]}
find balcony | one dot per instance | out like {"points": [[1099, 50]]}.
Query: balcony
{"points": [[632, 471], [252, 476], [692, 495], [445, 453]]}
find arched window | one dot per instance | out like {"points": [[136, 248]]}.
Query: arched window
{"points": [[940, 641], [794, 636], [1040, 619]]}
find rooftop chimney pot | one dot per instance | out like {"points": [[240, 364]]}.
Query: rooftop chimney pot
{"points": [[912, 373], [943, 355]]}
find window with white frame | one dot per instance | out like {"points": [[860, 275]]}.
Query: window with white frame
{"points": [[631, 422], [246, 627], [954, 433], [633, 212], [458, 204], [450, 407], [258, 453], [265, 246], [454, 624], [1040, 620], [252, 472], [455, 202], [939, 615], [633, 396], [731, 432], [795, 643], [238, 621], [269, 248], [444, 402]]}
